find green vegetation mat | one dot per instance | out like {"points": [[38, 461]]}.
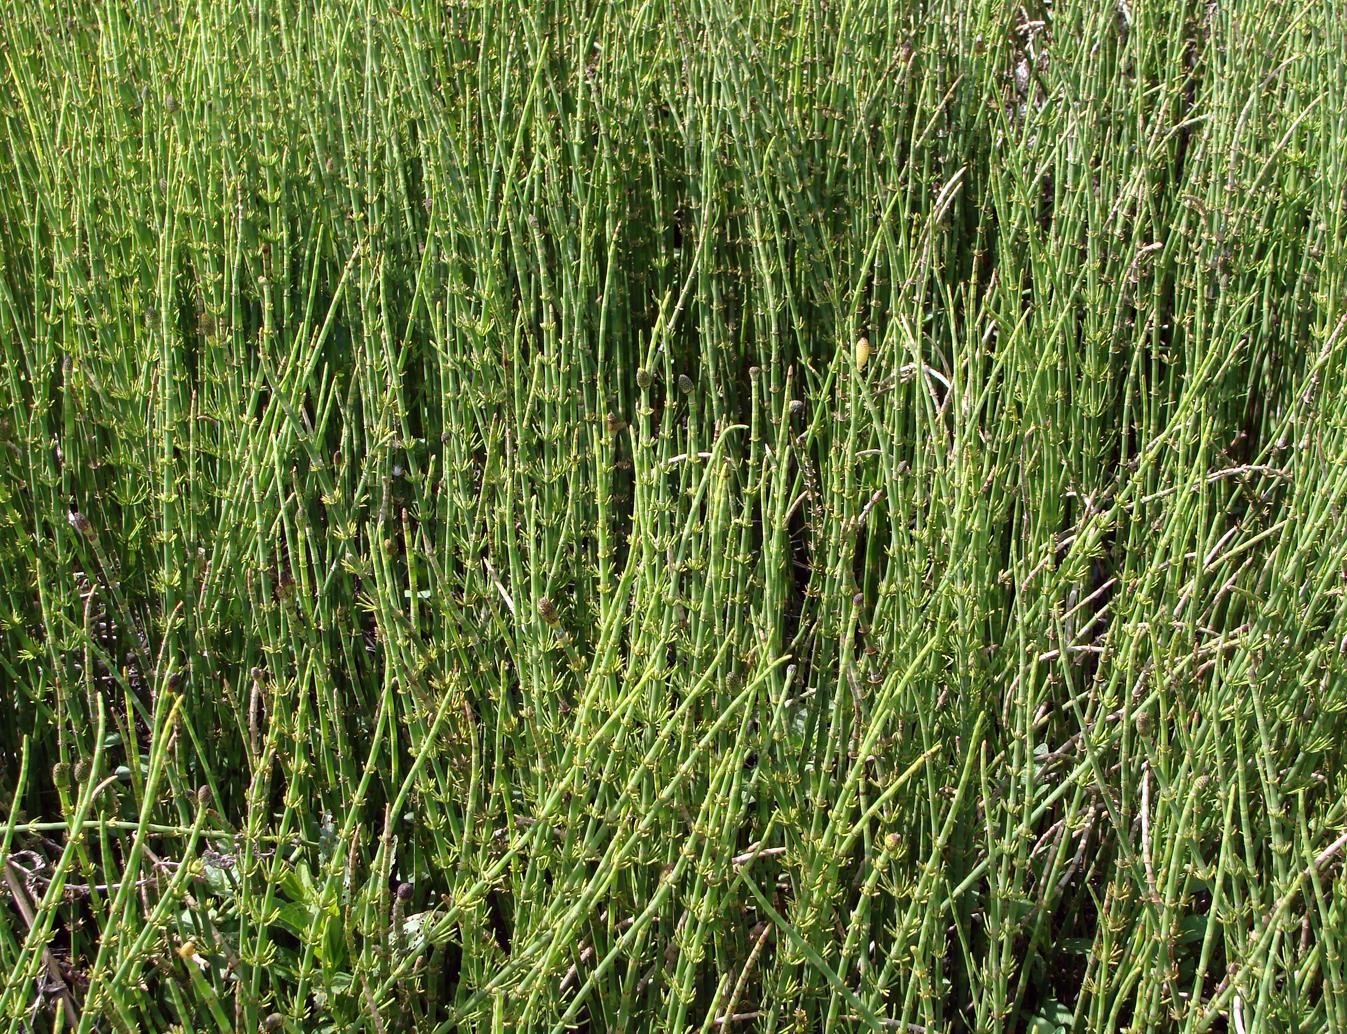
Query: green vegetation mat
{"points": [[673, 515]]}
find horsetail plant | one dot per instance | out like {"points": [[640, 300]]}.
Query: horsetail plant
{"points": [[673, 516]]}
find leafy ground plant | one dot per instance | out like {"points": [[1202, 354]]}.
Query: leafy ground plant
{"points": [[681, 515]]}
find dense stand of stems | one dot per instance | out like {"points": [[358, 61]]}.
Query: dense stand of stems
{"points": [[673, 515]]}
